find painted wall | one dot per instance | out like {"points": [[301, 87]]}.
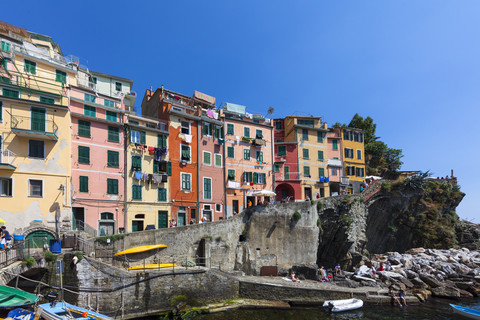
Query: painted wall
{"points": [[355, 161], [335, 154]]}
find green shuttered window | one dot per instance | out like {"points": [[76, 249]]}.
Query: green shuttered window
{"points": [[83, 184], [47, 100], [111, 116], [218, 160], [230, 129], [83, 155], [162, 141], [321, 172], [246, 154], [305, 153], [136, 192], [112, 159], [30, 67], [112, 186], [84, 128], [89, 97], [207, 158], [207, 188], [231, 174], [259, 156], [246, 132], [108, 103], [282, 151], [162, 194], [60, 76], [89, 111], [306, 172], [186, 184], [136, 163], [185, 153], [335, 144], [304, 134], [10, 93], [230, 152], [113, 134], [143, 137], [320, 155]]}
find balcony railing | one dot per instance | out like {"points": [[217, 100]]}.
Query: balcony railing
{"points": [[41, 54], [280, 176], [31, 127], [86, 84], [345, 180], [7, 157]]}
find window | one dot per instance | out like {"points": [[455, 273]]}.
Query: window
{"points": [[47, 100], [259, 156], [83, 155], [186, 181], [111, 116], [10, 93], [286, 171], [305, 153], [36, 149], [185, 153], [247, 177], [84, 128], [162, 194], [321, 172], [207, 129], [185, 127], [207, 188], [218, 134], [360, 172], [306, 172], [89, 97], [89, 111], [162, 141], [118, 86], [278, 125], [108, 103], [282, 151], [349, 153], [276, 168], [335, 144], [113, 134], [94, 80], [258, 134], [6, 187], [35, 188], [5, 46], [135, 136], [112, 159], [358, 137], [320, 155], [320, 136], [30, 67], [259, 178], [304, 134], [334, 172], [83, 184], [207, 158], [143, 137], [347, 135], [230, 152], [60, 76], [218, 207], [107, 216], [133, 122], [246, 154], [359, 154], [350, 171], [218, 160], [136, 163], [231, 174], [136, 192], [230, 128], [246, 132], [309, 123], [112, 186]]}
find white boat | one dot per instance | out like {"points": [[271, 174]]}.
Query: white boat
{"points": [[343, 305], [65, 311], [466, 312]]}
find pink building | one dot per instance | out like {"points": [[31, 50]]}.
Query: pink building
{"points": [[97, 159], [335, 162]]}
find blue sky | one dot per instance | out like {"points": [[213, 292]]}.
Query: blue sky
{"points": [[413, 66]]}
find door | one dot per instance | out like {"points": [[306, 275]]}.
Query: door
{"points": [[208, 215], [137, 225], [38, 119], [106, 228], [38, 239], [235, 206], [308, 193], [78, 219], [181, 219], [162, 219]]}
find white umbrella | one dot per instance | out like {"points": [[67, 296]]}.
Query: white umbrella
{"points": [[263, 193]]}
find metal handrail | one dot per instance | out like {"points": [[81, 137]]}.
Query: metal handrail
{"points": [[24, 123], [8, 157]]}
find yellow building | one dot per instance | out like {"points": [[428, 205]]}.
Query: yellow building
{"points": [[35, 139], [311, 137], [353, 158], [148, 172]]}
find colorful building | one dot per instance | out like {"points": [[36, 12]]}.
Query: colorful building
{"points": [[35, 139], [98, 159], [147, 175], [249, 157], [353, 158], [183, 118], [337, 181]]}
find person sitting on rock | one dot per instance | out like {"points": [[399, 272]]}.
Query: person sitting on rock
{"points": [[294, 278], [393, 297], [381, 267], [374, 272], [323, 275], [388, 266], [338, 270], [401, 295]]}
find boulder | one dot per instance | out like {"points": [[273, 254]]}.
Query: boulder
{"points": [[415, 251], [430, 280], [395, 258], [363, 271], [410, 274], [406, 282], [465, 293], [446, 292], [418, 283], [390, 274]]}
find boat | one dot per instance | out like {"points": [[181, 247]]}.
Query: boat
{"points": [[152, 266], [141, 249], [466, 312], [64, 311], [11, 298], [343, 305], [20, 314]]}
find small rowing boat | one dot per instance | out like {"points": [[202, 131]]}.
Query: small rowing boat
{"points": [[65, 311], [152, 266], [343, 305], [11, 298], [141, 249], [466, 312]]}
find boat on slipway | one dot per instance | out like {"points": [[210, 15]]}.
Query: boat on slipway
{"points": [[343, 305], [11, 298], [141, 249], [466, 312], [152, 266], [66, 311]]}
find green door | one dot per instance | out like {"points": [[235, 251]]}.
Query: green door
{"points": [[38, 119], [181, 219], [137, 225], [38, 238], [162, 219]]}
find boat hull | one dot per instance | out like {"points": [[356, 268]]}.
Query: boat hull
{"points": [[141, 249], [11, 298], [62, 311], [466, 312], [152, 266], [343, 305]]}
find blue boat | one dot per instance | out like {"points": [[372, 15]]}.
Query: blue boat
{"points": [[65, 311], [21, 314], [466, 312]]}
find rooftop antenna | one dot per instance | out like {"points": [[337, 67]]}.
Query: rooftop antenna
{"points": [[270, 110]]}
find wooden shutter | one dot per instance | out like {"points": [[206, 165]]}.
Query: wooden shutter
{"points": [[169, 168]]}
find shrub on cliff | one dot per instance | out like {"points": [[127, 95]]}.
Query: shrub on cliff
{"points": [[50, 257], [296, 216]]}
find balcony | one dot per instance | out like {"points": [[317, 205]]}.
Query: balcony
{"points": [[34, 128], [335, 163], [7, 158], [281, 176], [38, 53], [259, 142], [85, 83], [345, 181]]}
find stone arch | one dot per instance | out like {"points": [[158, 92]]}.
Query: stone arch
{"points": [[284, 189], [40, 236]]}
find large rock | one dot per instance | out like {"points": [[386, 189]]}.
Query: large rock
{"points": [[407, 283], [390, 274], [446, 292], [411, 274], [430, 280], [415, 251], [419, 283], [363, 271]]}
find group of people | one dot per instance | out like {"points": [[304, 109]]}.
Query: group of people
{"points": [[5, 237], [399, 299]]}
